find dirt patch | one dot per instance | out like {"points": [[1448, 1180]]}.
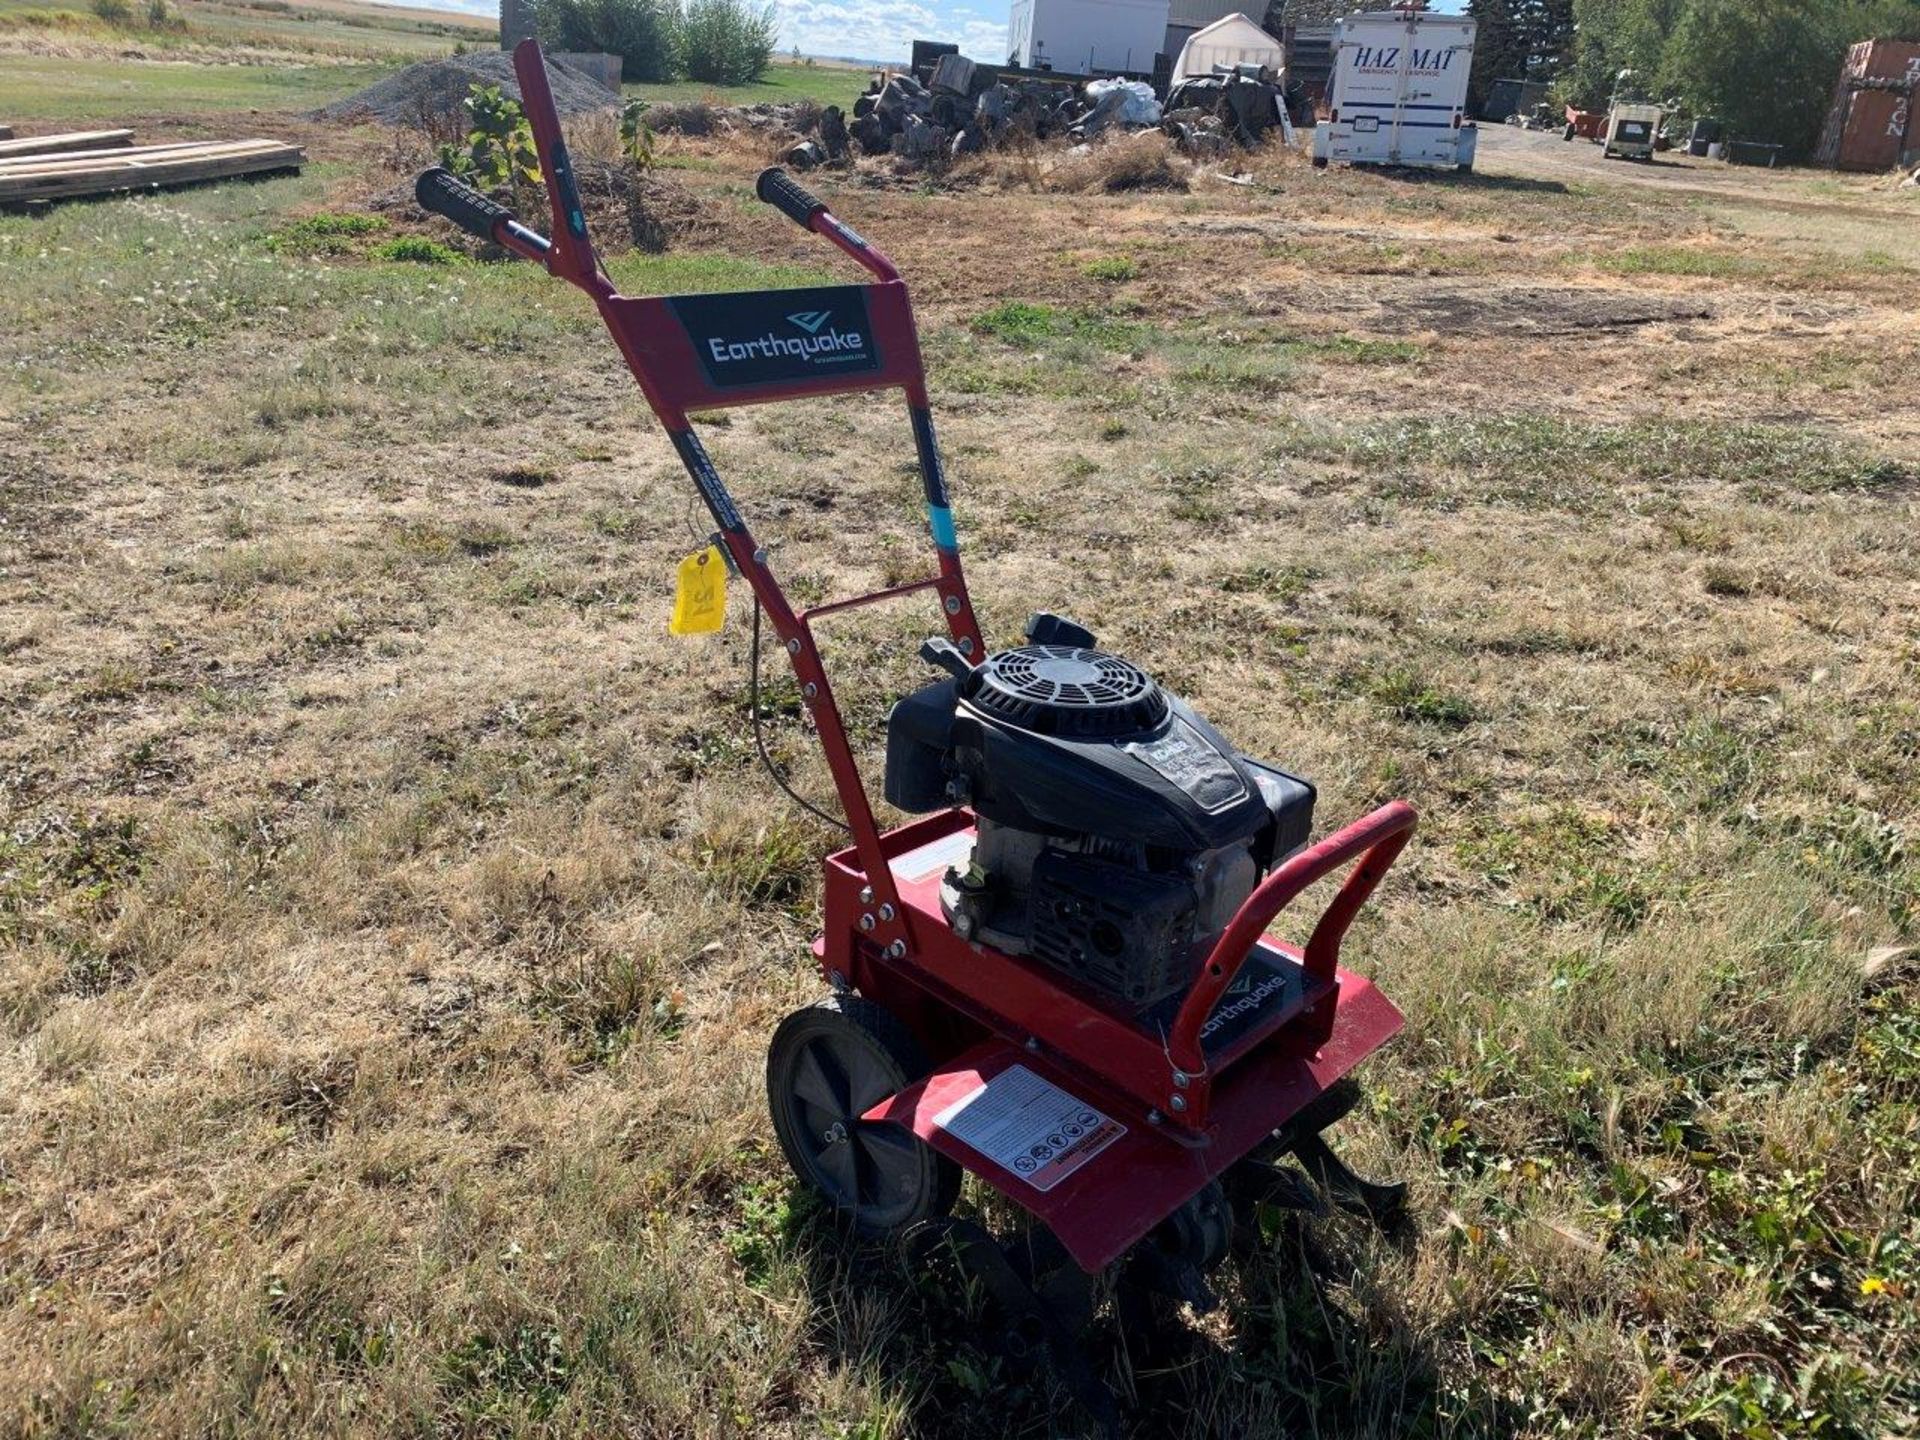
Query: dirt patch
{"points": [[652, 212], [1415, 305]]}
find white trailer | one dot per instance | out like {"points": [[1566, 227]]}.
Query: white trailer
{"points": [[1087, 37], [1632, 131], [1398, 95]]}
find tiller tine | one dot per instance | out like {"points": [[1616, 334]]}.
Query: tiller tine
{"points": [[1253, 1183], [1382, 1201], [1039, 1329]]}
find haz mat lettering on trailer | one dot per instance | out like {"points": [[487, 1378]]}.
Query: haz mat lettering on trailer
{"points": [[1385, 59], [772, 337], [1030, 1126]]}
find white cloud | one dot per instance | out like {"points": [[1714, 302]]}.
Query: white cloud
{"points": [[886, 29], [464, 7], [882, 30]]}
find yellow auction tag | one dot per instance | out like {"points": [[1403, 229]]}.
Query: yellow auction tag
{"points": [[699, 594]]}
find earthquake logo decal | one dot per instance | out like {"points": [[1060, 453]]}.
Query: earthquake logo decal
{"points": [[743, 339]]}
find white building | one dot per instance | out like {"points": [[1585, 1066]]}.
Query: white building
{"points": [[1086, 37]]}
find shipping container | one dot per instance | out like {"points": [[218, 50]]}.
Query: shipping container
{"points": [[1399, 91], [1512, 97], [1871, 123], [1086, 37]]}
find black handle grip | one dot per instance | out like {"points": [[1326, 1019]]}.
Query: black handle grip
{"points": [[776, 187], [444, 193]]}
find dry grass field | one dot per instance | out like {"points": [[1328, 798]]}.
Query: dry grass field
{"points": [[393, 917]]}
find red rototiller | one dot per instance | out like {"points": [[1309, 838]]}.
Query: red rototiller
{"points": [[1058, 978]]}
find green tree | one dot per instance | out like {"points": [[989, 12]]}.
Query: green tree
{"points": [[1519, 40], [1766, 67], [1882, 20], [645, 34], [727, 42], [1616, 35]]}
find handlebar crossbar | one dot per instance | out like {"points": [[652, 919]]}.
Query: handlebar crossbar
{"points": [[1377, 838]]}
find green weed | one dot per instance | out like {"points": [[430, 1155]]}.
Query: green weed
{"points": [[1406, 694], [325, 234], [490, 1376], [418, 250]]}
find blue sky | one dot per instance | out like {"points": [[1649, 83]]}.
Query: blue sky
{"points": [[873, 29]]}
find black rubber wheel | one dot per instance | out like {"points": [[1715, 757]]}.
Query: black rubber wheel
{"points": [[1567, 134], [827, 1065]]}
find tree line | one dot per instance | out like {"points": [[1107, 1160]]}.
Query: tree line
{"points": [[1765, 68], [722, 42]]}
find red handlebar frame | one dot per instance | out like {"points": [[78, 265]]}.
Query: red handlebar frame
{"points": [[668, 360], [1377, 838]]}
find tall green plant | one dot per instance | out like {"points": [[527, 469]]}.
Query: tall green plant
{"points": [[1518, 39], [499, 149], [728, 42], [1616, 35], [636, 138], [645, 34]]}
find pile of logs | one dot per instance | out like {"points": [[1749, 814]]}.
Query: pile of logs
{"points": [[1239, 105]]}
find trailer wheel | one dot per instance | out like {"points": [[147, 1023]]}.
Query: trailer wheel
{"points": [[1319, 163], [827, 1065], [1567, 134]]}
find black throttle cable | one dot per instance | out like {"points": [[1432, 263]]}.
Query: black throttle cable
{"points": [[760, 739]]}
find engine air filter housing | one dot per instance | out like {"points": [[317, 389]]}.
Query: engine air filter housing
{"points": [[1067, 691]]}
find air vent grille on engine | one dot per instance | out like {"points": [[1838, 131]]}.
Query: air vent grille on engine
{"points": [[1063, 690]]}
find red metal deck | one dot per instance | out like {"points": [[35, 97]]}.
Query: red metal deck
{"points": [[1101, 1193]]}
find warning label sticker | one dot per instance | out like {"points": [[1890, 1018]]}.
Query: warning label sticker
{"points": [[1029, 1126], [933, 858]]}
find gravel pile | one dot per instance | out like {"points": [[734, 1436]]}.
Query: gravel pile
{"points": [[435, 87]]}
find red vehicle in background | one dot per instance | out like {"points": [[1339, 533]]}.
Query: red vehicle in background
{"points": [[1586, 124]]}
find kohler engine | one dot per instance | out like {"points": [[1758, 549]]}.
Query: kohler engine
{"points": [[1117, 830]]}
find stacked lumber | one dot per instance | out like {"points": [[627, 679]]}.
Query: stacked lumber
{"points": [[99, 171], [55, 144]]}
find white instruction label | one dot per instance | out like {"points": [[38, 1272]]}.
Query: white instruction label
{"points": [[1029, 1126], [933, 858]]}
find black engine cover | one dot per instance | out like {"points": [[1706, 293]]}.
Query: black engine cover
{"points": [[1134, 809], [1118, 760]]}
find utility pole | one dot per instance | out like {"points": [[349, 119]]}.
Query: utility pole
{"points": [[516, 22]]}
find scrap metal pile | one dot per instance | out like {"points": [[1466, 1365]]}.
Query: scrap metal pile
{"points": [[957, 107], [1240, 105]]}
